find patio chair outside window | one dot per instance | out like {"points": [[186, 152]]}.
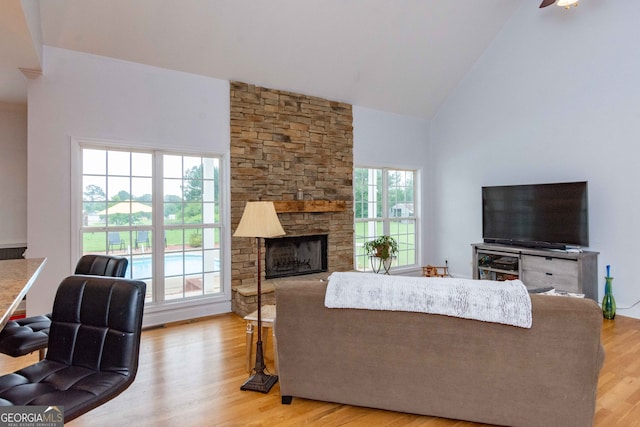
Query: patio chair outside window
{"points": [[114, 240], [142, 237]]}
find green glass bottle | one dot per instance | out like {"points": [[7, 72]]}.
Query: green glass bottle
{"points": [[608, 302]]}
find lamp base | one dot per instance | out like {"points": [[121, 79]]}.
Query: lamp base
{"points": [[260, 382]]}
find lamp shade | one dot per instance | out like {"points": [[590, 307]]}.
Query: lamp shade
{"points": [[259, 219]]}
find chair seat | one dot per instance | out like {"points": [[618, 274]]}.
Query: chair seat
{"points": [[70, 386], [23, 336]]}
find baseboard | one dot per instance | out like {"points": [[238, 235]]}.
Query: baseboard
{"points": [[178, 314]]}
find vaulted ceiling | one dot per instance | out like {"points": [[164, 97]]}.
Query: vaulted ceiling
{"points": [[401, 56]]}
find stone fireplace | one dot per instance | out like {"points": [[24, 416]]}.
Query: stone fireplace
{"points": [[283, 144], [295, 256]]}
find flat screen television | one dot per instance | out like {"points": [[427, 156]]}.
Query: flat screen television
{"points": [[553, 216]]}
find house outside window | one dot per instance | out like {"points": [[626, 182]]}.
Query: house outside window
{"points": [[385, 204], [159, 210]]}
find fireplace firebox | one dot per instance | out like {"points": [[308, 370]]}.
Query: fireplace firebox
{"points": [[295, 255]]}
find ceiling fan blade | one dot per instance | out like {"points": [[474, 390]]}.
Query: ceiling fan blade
{"points": [[546, 3]]}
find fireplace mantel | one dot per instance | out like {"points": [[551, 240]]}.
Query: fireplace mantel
{"points": [[289, 206]]}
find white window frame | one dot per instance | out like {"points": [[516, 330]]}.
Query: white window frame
{"points": [[386, 219], [169, 311]]}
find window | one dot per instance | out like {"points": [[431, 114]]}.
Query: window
{"points": [[385, 204], [162, 212]]}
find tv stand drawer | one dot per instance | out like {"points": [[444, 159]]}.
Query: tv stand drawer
{"points": [[561, 282], [551, 265], [540, 271]]}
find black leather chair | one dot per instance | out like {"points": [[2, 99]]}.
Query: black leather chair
{"points": [[102, 265], [23, 336], [94, 344]]}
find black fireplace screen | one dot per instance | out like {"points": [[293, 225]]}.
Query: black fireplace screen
{"points": [[293, 256]]}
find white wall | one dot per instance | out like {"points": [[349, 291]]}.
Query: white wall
{"points": [[13, 175], [85, 96], [392, 140], [555, 98]]}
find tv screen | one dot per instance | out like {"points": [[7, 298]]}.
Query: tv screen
{"points": [[538, 215]]}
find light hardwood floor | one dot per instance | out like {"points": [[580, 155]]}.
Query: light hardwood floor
{"points": [[190, 375]]}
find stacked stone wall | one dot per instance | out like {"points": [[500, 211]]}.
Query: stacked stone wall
{"points": [[282, 142]]}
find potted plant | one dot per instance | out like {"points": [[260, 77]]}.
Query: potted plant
{"points": [[384, 248]]}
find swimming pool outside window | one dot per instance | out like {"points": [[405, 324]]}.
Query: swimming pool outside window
{"points": [[162, 212]]}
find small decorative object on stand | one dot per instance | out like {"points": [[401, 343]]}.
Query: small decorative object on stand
{"points": [[608, 302]]}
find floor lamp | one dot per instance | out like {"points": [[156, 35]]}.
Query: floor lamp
{"points": [[259, 219]]}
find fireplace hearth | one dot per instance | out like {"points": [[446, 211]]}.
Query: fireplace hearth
{"points": [[295, 256]]}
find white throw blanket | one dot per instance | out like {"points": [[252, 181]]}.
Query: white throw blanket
{"points": [[505, 302]]}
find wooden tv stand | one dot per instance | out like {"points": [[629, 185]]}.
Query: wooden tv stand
{"points": [[568, 271]]}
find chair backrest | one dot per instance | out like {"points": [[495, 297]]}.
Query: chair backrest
{"points": [[102, 265], [96, 324]]}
